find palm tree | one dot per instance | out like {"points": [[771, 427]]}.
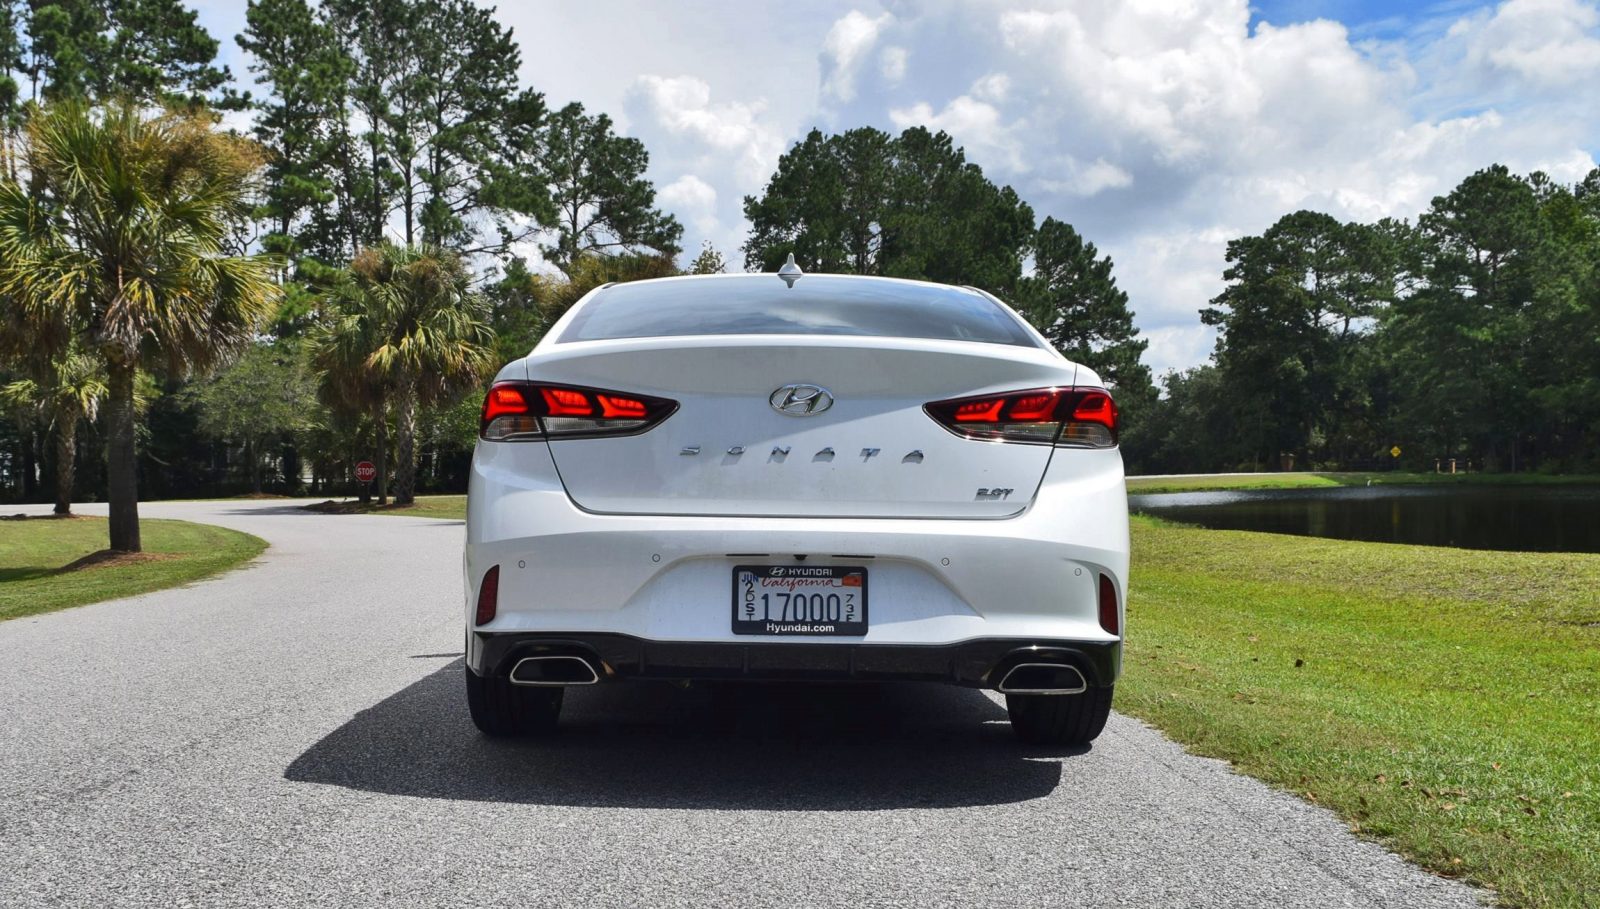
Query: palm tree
{"points": [[119, 239], [340, 346], [70, 391], [406, 328]]}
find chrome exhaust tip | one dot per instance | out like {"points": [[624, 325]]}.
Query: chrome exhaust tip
{"points": [[1043, 678], [559, 671]]}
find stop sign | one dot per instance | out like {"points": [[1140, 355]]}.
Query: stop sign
{"points": [[365, 472]]}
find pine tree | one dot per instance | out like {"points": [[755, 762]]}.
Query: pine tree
{"points": [[142, 50], [603, 203], [305, 71], [863, 202], [447, 139], [1074, 301], [12, 62]]}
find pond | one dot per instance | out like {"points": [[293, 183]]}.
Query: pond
{"points": [[1525, 518]]}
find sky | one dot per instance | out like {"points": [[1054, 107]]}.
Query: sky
{"points": [[1160, 129]]}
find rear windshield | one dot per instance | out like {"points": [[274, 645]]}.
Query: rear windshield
{"points": [[816, 305]]}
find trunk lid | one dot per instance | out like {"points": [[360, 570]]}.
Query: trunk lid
{"points": [[727, 450]]}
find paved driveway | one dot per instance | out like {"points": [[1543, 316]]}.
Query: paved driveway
{"points": [[294, 734]]}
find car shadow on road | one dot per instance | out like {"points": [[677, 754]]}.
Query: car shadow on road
{"points": [[304, 512], [295, 509], [729, 747]]}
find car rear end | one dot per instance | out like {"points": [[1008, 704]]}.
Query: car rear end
{"points": [[829, 478]]}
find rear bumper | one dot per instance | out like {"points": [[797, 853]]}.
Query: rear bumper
{"points": [[975, 663], [654, 594]]}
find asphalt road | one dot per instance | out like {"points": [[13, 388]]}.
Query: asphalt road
{"points": [[295, 734]]}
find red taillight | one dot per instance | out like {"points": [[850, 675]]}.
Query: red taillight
{"points": [[1108, 605], [488, 596], [503, 400], [1073, 417], [612, 406], [565, 402], [516, 411], [1096, 407], [1033, 408], [980, 411]]}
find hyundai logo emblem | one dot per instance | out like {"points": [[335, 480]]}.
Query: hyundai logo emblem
{"points": [[801, 400]]}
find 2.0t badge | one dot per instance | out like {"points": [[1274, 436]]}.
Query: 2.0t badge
{"points": [[801, 400]]}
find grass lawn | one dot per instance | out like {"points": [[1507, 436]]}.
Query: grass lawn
{"points": [[1444, 701], [1327, 479], [453, 507], [34, 552], [449, 507], [1230, 481]]}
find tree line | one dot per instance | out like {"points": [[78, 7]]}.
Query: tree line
{"points": [[331, 286], [221, 311], [1470, 333]]}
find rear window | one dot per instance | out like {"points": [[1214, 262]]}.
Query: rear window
{"points": [[815, 305]]}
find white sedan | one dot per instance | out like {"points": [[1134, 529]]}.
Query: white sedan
{"points": [[796, 477]]}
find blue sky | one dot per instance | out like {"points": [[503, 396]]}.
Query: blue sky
{"points": [[1160, 128], [1353, 12]]}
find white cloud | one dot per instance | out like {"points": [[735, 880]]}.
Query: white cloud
{"points": [[694, 201], [682, 106], [1162, 130], [1177, 347], [1547, 42], [715, 151], [892, 64], [1078, 179], [976, 124], [992, 88], [848, 42]]}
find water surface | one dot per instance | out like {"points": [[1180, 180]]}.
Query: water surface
{"points": [[1525, 518]]}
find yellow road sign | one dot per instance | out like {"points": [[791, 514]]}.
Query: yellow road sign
{"points": [[1394, 452]]}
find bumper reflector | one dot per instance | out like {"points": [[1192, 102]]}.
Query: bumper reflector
{"points": [[1108, 605], [488, 596]]}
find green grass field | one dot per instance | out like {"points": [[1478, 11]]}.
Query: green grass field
{"points": [[1443, 701], [1230, 481], [33, 553], [1327, 479], [453, 507]]}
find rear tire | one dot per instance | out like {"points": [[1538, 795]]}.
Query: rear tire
{"points": [[1059, 719], [503, 710]]}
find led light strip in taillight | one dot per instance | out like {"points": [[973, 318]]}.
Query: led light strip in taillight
{"points": [[522, 411], [1068, 417]]}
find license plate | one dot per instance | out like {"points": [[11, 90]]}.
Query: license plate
{"points": [[799, 599]]}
